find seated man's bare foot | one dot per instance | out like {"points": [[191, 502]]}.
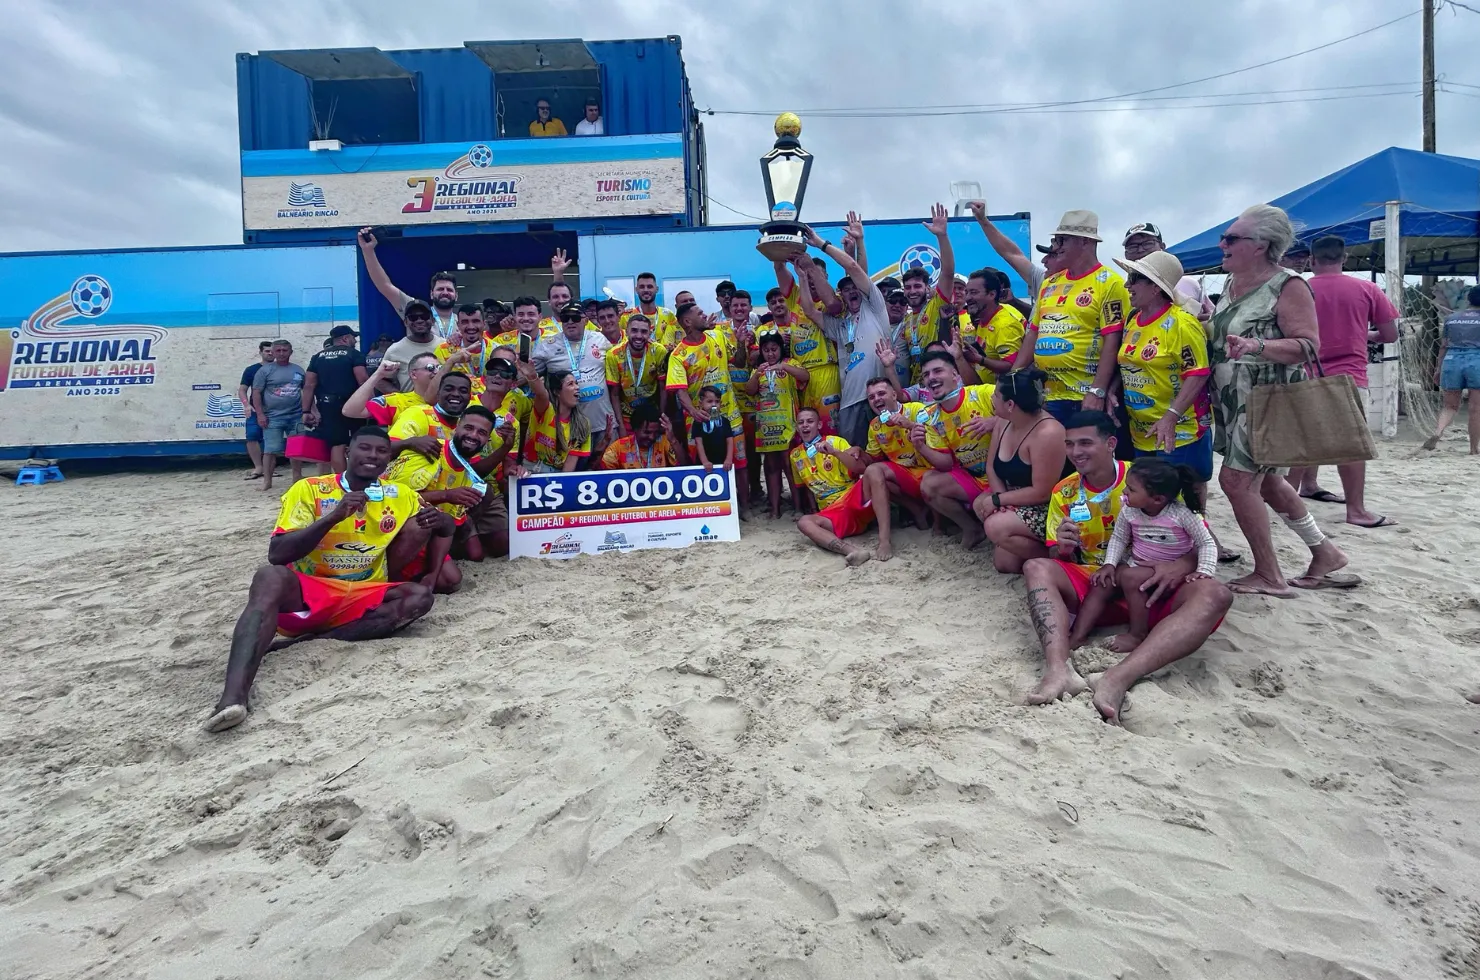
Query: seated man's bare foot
{"points": [[972, 535], [1125, 642], [858, 556], [1109, 696], [884, 551], [226, 716], [1057, 684]]}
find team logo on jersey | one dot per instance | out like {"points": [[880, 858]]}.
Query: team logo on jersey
{"points": [[1084, 299], [1149, 351], [387, 522]]}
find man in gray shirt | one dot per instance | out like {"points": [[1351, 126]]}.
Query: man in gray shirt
{"points": [[277, 401], [857, 333], [587, 347], [420, 338]]}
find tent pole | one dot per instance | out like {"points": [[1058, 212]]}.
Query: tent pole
{"points": [[1390, 371], [1430, 138]]}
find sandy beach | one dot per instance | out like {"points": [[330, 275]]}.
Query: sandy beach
{"points": [[731, 761]]}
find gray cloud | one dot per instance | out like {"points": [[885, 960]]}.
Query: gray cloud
{"points": [[120, 119]]}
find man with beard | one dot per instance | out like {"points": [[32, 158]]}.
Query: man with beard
{"points": [[329, 567], [895, 466], [423, 428], [526, 323], [647, 446], [449, 482], [996, 333], [443, 292], [581, 351], [636, 370], [420, 338], [666, 330], [468, 335], [922, 321]]}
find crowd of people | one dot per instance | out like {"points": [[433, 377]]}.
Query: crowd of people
{"points": [[1074, 428]]}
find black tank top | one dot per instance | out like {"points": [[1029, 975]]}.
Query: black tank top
{"points": [[1015, 472]]}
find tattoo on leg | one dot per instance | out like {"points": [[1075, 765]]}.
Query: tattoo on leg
{"points": [[1040, 611]]}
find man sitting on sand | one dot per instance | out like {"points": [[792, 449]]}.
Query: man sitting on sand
{"points": [[337, 537], [829, 469], [1081, 518], [895, 466]]}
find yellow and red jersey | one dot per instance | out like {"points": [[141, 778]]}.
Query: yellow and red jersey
{"points": [[891, 440], [822, 473], [354, 549], [1092, 509], [666, 330], [624, 454], [945, 429], [422, 420], [1071, 319], [544, 447], [639, 376], [442, 472], [692, 367], [383, 409], [1156, 357]]}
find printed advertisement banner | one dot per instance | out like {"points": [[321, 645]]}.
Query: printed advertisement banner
{"points": [[440, 183], [561, 515]]}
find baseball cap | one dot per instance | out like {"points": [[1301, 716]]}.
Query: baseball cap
{"points": [[343, 330], [1043, 249], [415, 304], [889, 283], [1144, 228], [896, 296], [572, 309]]}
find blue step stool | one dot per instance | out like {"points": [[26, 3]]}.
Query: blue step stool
{"points": [[34, 476]]}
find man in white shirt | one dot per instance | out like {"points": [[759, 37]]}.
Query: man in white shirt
{"points": [[592, 125]]}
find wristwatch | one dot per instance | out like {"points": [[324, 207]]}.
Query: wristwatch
{"points": [[996, 501], [1097, 392]]}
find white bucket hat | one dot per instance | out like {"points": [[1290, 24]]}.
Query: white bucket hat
{"points": [[1080, 224], [1162, 268]]}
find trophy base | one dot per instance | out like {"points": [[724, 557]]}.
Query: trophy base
{"points": [[781, 247]]}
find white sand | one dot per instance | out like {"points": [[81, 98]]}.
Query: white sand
{"points": [[736, 760]]}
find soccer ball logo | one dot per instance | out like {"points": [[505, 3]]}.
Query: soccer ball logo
{"points": [[481, 156], [921, 257], [91, 296]]}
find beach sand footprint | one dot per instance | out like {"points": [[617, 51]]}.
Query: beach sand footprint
{"points": [[728, 864]]}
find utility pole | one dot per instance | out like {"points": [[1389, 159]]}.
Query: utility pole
{"points": [[1430, 143]]}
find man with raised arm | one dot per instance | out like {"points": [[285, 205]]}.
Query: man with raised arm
{"points": [[443, 287], [329, 566], [922, 320], [666, 330]]}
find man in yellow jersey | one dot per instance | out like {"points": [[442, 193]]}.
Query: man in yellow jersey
{"points": [[997, 330], [329, 566], [424, 371], [423, 428], [804, 285], [1079, 316], [636, 371], [511, 409], [527, 323], [735, 325], [1081, 518], [666, 330], [606, 315], [449, 482], [922, 320], [468, 335], [646, 446], [895, 466], [702, 360], [956, 440], [829, 469]]}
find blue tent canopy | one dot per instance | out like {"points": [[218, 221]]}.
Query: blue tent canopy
{"points": [[1439, 224]]}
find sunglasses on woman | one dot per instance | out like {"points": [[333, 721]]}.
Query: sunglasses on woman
{"points": [[1230, 239]]}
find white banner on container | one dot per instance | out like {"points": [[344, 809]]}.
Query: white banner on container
{"points": [[561, 515]]}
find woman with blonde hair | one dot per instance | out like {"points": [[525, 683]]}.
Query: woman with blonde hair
{"points": [[1263, 332]]}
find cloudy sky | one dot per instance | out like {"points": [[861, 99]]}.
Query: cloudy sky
{"points": [[119, 120]]}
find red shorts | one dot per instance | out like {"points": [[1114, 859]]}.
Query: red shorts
{"points": [[1116, 613], [908, 479], [974, 486], [330, 602], [850, 514], [417, 567]]}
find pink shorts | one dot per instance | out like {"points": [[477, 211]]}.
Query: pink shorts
{"points": [[1116, 613], [973, 486]]}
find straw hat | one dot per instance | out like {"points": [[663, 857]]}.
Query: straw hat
{"points": [[1162, 268], [1080, 224]]}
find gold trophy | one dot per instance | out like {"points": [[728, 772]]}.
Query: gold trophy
{"points": [[785, 170]]}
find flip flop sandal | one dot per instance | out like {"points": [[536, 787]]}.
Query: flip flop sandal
{"points": [[1382, 521], [1325, 497], [1335, 580], [1230, 557]]}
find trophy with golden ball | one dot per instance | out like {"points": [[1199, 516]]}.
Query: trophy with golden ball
{"points": [[785, 170]]}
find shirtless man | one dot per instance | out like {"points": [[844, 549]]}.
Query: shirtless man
{"points": [[328, 570], [1081, 518]]}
